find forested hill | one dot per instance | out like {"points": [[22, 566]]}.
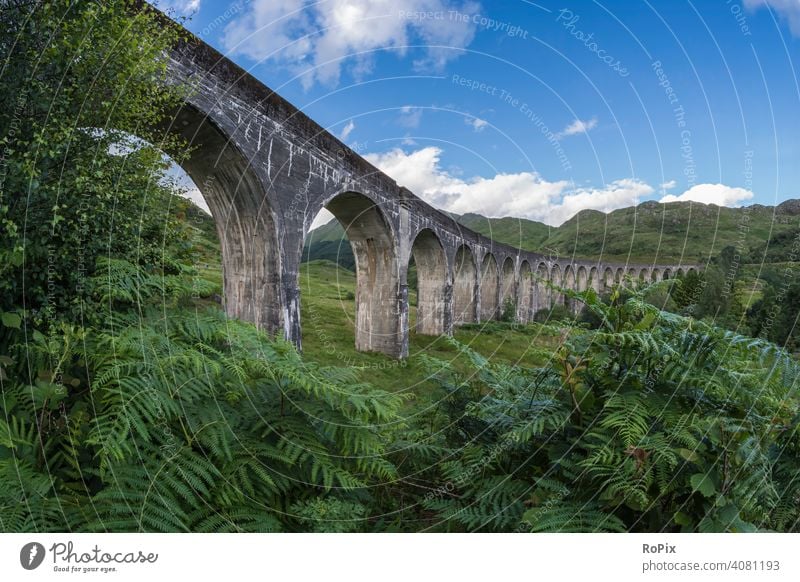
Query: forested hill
{"points": [[678, 231]]}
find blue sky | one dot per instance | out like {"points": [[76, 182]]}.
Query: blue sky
{"points": [[538, 109]]}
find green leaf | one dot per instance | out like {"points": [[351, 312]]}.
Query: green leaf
{"points": [[689, 455], [11, 319], [702, 483]]}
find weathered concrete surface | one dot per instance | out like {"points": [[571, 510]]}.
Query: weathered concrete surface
{"points": [[266, 170]]}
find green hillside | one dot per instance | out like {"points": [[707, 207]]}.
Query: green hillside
{"points": [[519, 232], [686, 231]]}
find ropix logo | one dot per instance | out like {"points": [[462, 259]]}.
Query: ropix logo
{"points": [[31, 555]]}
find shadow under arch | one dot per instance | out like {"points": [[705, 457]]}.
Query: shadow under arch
{"points": [[490, 284], [525, 302], [431, 262], [465, 282], [541, 296], [507, 292], [570, 282], [244, 219]]}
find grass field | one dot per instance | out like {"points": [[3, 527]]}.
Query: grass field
{"points": [[327, 315]]}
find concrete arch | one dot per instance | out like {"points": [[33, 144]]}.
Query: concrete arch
{"points": [[619, 276], [570, 282], [667, 274], [644, 276], [582, 279], [489, 288], [691, 270], [594, 280], [465, 285], [431, 262], [608, 278], [655, 275], [556, 297], [377, 268], [243, 216], [681, 273], [508, 290], [525, 295], [541, 292]]}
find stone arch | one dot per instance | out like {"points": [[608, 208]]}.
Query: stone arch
{"points": [[594, 280], [656, 275], [508, 283], [608, 278], [582, 280], [556, 298], [691, 270], [465, 281], [667, 274], [541, 296], [681, 272], [377, 273], [490, 285], [244, 220], [644, 276], [525, 299], [431, 262], [569, 283], [619, 275]]}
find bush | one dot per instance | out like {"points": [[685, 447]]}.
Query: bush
{"points": [[652, 423], [555, 313], [509, 311]]}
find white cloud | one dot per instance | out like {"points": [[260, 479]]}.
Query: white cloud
{"points": [[477, 123], [668, 185], [718, 194], [578, 126], [316, 38], [523, 194], [348, 129], [410, 116], [787, 9]]}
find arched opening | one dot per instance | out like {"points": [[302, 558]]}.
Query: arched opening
{"points": [[667, 274], [608, 279], [681, 273], [644, 278], [431, 263], [633, 277], [465, 280], [541, 297], [583, 279], [569, 283], [619, 276], [377, 305], [691, 270], [238, 202], [656, 276], [556, 297], [525, 303], [508, 295], [594, 280], [490, 283]]}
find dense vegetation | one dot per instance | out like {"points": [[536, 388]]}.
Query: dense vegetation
{"points": [[130, 403]]}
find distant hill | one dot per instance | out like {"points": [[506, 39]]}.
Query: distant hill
{"points": [[687, 231]]}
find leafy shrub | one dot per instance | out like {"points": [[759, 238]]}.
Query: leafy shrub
{"points": [[509, 311], [653, 422]]}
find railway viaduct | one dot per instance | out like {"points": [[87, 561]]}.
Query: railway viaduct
{"points": [[266, 170]]}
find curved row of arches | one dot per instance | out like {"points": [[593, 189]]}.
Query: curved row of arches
{"points": [[454, 287]]}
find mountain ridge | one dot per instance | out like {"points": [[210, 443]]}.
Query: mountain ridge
{"points": [[650, 231]]}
